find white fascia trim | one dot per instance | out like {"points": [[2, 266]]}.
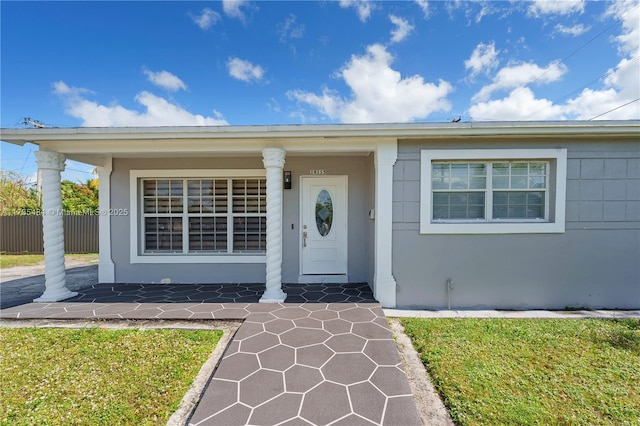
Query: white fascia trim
{"points": [[558, 155], [524, 128], [134, 220]]}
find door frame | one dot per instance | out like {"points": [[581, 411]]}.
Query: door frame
{"points": [[323, 278]]}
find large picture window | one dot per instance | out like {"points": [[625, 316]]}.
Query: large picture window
{"points": [[492, 191], [199, 218]]}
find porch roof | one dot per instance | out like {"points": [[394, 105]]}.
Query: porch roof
{"points": [[92, 145]]}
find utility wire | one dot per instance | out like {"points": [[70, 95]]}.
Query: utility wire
{"points": [[592, 81], [616, 22], [33, 165], [554, 101], [613, 109], [25, 161]]}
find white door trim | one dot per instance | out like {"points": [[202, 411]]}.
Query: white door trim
{"points": [[342, 275]]}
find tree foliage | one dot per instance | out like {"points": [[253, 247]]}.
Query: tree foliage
{"points": [[19, 197], [78, 198]]}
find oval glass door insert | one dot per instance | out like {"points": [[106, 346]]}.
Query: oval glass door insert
{"points": [[324, 212]]}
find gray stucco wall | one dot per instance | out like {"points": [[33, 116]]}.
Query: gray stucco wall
{"points": [[360, 238], [595, 263]]}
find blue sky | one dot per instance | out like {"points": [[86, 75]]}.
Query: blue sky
{"points": [[143, 63]]}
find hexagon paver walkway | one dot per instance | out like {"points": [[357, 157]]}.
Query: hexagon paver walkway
{"points": [[288, 364], [315, 364]]}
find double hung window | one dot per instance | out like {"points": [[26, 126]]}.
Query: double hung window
{"points": [[492, 191], [489, 190]]}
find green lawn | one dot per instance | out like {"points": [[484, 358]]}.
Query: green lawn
{"points": [[11, 260], [533, 372], [93, 376]]}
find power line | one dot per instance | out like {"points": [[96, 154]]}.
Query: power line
{"points": [[592, 81], [611, 110], [554, 101], [616, 22], [81, 171], [25, 160], [598, 35], [32, 166]]}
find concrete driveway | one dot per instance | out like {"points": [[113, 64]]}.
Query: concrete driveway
{"points": [[22, 284]]}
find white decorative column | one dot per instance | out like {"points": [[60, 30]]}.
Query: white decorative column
{"points": [[273, 159], [50, 164], [384, 288], [106, 269]]}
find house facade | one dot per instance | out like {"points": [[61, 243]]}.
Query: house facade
{"points": [[460, 215]]}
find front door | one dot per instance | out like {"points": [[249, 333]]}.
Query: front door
{"points": [[323, 225]]}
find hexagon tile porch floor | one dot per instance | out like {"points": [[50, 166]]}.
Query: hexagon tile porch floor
{"points": [[309, 364], [221, 293]]}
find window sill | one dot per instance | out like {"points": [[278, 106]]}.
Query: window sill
{"points": [[492, 228], [172, 258]]}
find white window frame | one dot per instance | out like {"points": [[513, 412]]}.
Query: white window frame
{"points": [[135, 221], [557, 167]]}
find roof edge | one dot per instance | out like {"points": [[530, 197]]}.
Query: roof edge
{"points": [[400, 130]]}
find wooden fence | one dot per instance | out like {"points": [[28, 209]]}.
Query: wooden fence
{"points": [[23, 234]]}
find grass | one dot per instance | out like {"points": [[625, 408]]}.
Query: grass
{"points": [[533, 372], [11, 260], [53, 376]]}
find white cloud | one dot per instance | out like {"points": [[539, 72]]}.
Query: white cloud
{"points": [[378, 92], [290, 29], [556, 7], [61, 88], [475, 10], [629, 13], [521, 104], [520, 75], [274, 105], [424, 5], [573, 31], [233, 8], [402, 29], [625, 77], [362, 7], [621, 85], [206, 19], [244, 70], [484, 59], [616, 99], [165, 79], [157, 111]]}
